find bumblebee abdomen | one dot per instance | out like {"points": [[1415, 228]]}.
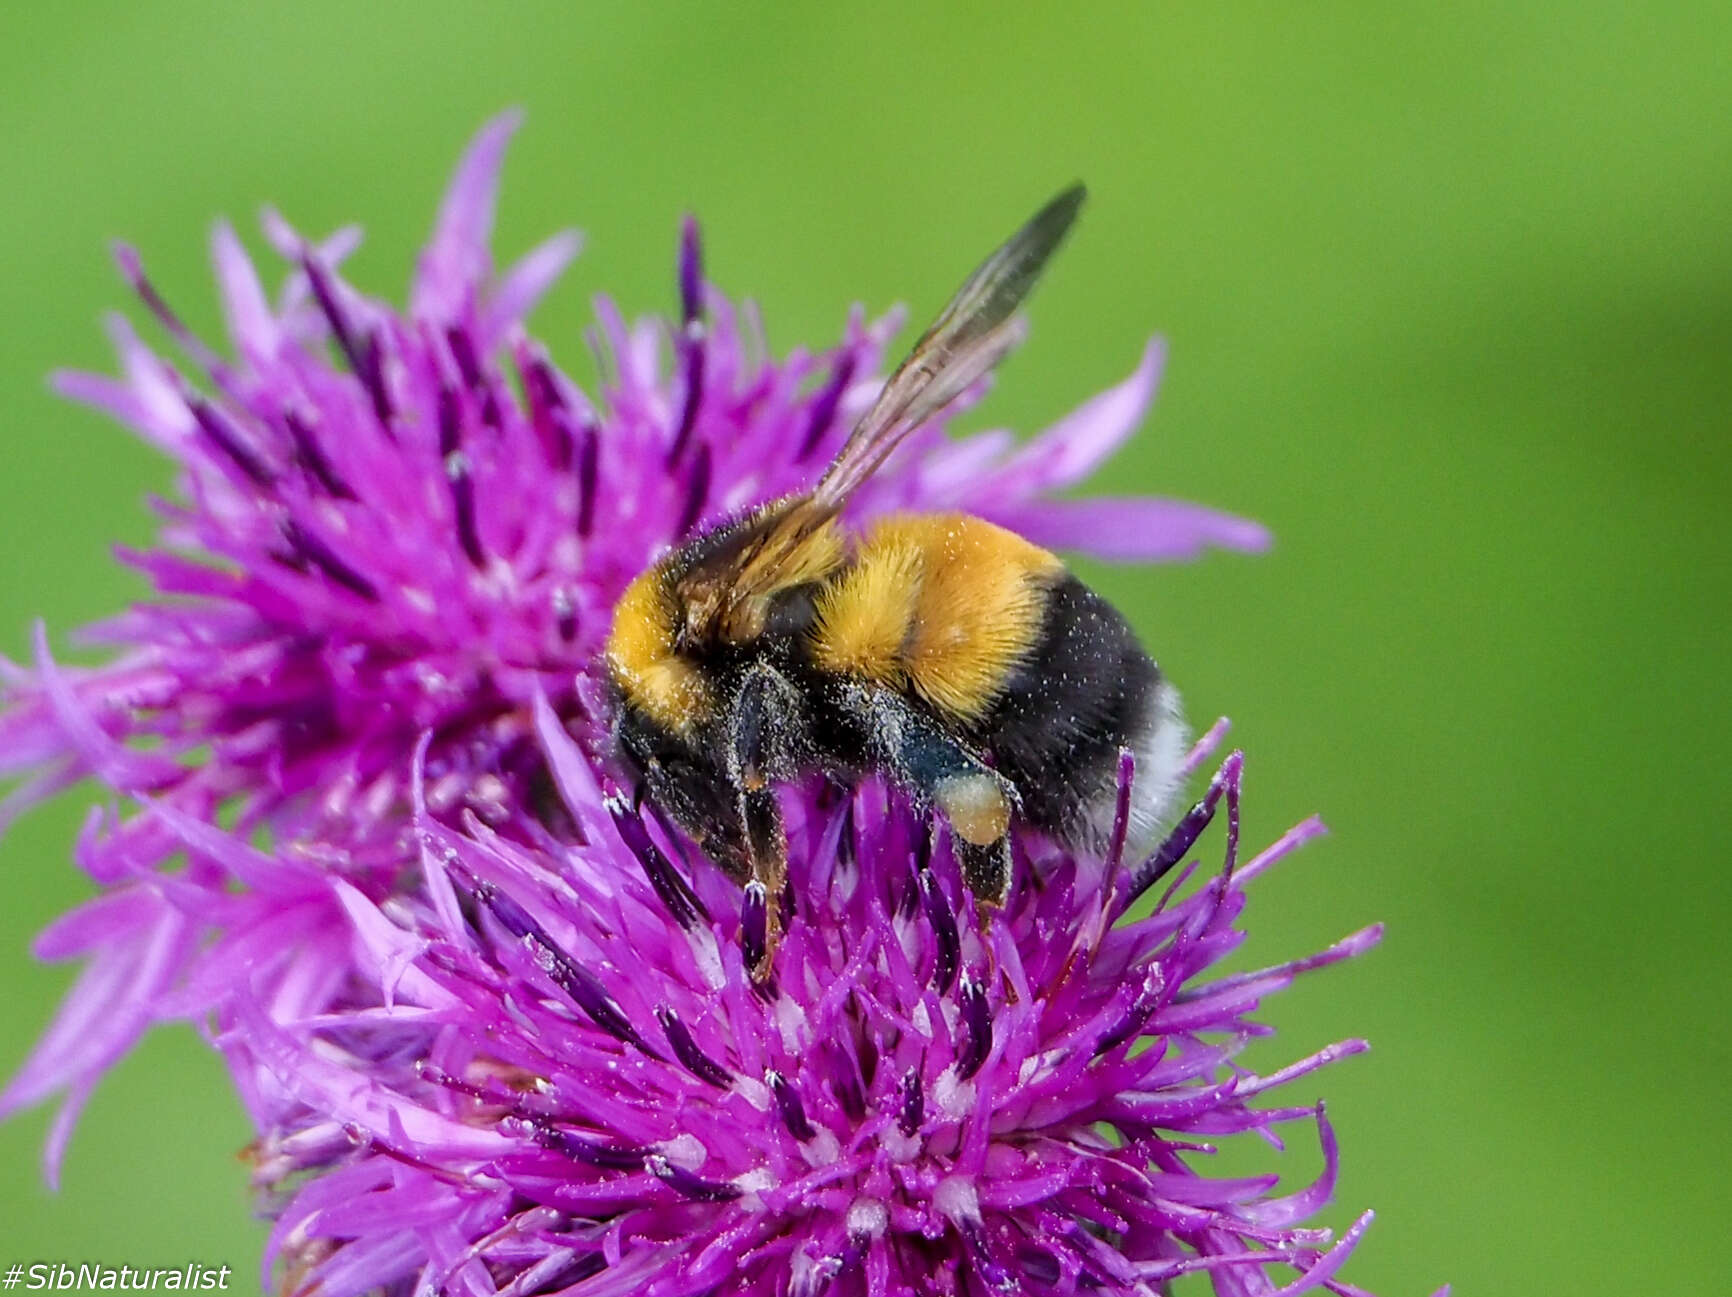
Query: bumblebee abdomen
{"points": [[1085, 690]]}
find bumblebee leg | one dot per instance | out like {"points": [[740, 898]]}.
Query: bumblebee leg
{"points": [[769, 875], [764, 714], [986, 870], [942, 772], [691, 787]]}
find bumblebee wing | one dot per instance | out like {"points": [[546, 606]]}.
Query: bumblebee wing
{"points": [[722, 578], [791, 541], [964, 343]]}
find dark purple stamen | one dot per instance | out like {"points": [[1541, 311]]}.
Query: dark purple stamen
{"points": [[565, 613], [942, 919], [323, 557], [691, 340], [373, 374], [992, 1271], [913, 1114], [671, 833], [463, 352], [312, 459], [825, 404], [754, 924], [133, 268], [847, 848], [457, 474], [589, 450], [610, 1157], [691, 271], [697, 491], [587, 1266], [580, 986], [604, 1156], [1038, 1264], [463, 501], [789, 1105], [668, 882], [695, 1061], [909, 899], [848, 1094], [557, 438], [1141, 1010], [1187, 830], [692, 351], [845, 1083], [547, 410], [230, 440], [450, 422], [363, 356], [977, 1022], [923, 846], [686, 1184], [865, 1044], [474, 377]]}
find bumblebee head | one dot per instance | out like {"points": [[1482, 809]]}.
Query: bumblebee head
{"points": [[720, 592], [645, 664]]}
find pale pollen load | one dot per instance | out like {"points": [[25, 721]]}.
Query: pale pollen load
{"points": [[976, 808], [944, 603]]}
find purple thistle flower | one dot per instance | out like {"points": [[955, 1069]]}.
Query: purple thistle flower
{"points": [[491, 1021], [399, 524], [552, 1076]]}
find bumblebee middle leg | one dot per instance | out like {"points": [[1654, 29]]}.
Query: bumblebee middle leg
{"points": [[764, 725], [768, 846], [941, 771]]}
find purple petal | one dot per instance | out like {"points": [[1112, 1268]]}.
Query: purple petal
{"points": [[389, 953], [104, 1013], [521, 287], [331, 1087], [1074, 447], [1140, 530], [450, 272], [252, 326], [110, 761]]}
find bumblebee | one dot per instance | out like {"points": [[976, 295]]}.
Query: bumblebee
{"points": [[953, 656]]}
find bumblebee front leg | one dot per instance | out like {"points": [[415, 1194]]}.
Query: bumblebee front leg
{"points": [[940, 771]]}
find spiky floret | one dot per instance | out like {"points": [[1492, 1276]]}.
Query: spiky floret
{"points": [[396, 523], [559, 1076]]}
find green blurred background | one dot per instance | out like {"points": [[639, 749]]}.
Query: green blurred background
{"points": [[1449, 297]]}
